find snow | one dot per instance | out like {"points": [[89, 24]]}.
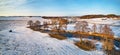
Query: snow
{"points": [[98, 44], [70, 27], [25, 18], [114, 24], [100, 21], [20, 18], [116, 47], [24, 41]]}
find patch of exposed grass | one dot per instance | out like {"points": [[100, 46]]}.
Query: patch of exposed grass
{"points": [[58, 36], [85, 45], [54, 34]]}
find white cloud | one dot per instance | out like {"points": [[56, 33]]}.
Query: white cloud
{"points": [[8, 6], [9, 3]]}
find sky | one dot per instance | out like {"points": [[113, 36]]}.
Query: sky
{"points": [[58, 7]]}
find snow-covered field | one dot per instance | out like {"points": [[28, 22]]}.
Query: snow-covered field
{"points": [[24, 41], [102, 21]]}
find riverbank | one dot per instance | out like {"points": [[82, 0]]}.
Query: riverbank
{"points": [[63, 35], [24, 41], [85, 45]]}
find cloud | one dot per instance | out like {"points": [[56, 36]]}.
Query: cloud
{"points": [[55, 7], [11, 4], [8, 7]]}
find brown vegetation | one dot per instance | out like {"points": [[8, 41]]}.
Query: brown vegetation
{"points": [[85, 16], [85, 45], [99, 16], [108, 45], [59, 26], [58, 36], [92, 16]]}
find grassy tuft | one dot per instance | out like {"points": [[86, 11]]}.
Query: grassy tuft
{"points": [[85, 45], [58, 36]]}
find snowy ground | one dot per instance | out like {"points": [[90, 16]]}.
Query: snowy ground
{"points": [[24, 41], [114, 24], [98, 44], [102, 21]]}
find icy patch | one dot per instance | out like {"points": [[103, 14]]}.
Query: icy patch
{"points": [[116, 47], [98, 45]]}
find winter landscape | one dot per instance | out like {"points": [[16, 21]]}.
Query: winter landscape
{"points": [[59, 27], [59, 36]]}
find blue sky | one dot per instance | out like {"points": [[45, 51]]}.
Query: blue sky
{"points": [[58, 7]]}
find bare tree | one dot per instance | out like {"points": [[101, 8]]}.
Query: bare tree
{"points": [[78, 26], [81, 26], [94, 28], [100, 28], [108, 46], [108, 43], [54, 24], [62, 24], [45, 25], [88, 29], [107, 30], [37, 23], [30, 23]]}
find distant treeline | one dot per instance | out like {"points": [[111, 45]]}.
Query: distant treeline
{"points": [[100, 16], [81, 17], [85, 16]]}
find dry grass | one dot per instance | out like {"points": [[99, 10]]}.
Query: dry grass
{"points": [[52, 33], [58, 36], [85, 46]]}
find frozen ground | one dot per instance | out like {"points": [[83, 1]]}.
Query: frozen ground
{"points": [[102, 21], [114, 24], [23, 41], [98, 44]]}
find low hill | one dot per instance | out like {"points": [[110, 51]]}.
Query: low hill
{"points": [[100, 16]]}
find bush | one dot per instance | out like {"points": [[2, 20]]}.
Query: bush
{"points": [[85, 45]]}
